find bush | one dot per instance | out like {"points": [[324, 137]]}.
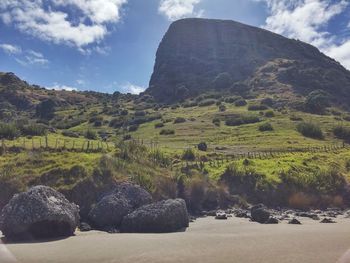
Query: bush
{"points": [[207, 102], [124, 112], [240, 103], [241, 120], [140, 113], [179, 120], [222, 108], [216, 121], [167, 132], [342, 133], [133, 128], [188, 155], [317, 101], [91, 135], [71, 134], [34, 130], [269, 114], [310, 130], [295, 118], [8, 131], [257, 107], [222, 81], [116, 123], [232, 99], [268, 102], [159, 125], [189, 104], [45, 109], [127, 137], [202, 146], [265, 127]]}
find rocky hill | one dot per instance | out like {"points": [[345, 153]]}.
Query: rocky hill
{"points": [[197, 55]]}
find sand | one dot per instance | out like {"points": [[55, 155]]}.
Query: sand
{"points": [[207, 240]]}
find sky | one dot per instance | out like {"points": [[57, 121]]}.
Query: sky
{"points": [[110, 45]]}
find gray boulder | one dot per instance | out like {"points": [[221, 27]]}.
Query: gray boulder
{"points": [[109, 211], [161, 217], [40, 212], [122, 200], [136, 195], [260, 214]]}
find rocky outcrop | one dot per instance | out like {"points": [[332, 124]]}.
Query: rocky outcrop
{"points": [[161, 217], [40, 212], [195, 53], [114, 206], [260, 214]]}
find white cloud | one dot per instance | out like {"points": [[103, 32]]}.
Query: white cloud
{"points": [[80, 81], [10, 49], [176, 9], [48, 21], [306, 20], [31, 57], [133, 89], [57, 86]]}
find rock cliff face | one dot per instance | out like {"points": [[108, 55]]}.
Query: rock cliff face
{"points": [[194, 52]]}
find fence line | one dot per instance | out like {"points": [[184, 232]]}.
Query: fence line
{"points": [[54, 144]]}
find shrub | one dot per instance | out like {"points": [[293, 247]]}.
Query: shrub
{"points": [[127, 137], [189, 104], [268, 102], [240, 103], [241, 120], [94, 119], [196, 190], [140, 113], [222, 81], [317, 101], [265, 127], [167, 132], [257, 107], [269, 114], [222, 108], [45, 109], [133, 128], [8, 131], [71, 134], [159, 125], [216, 121], [179, 120], [206, 102], [91, 135], [34, 129], [188, 155], [310, 130], [124, 112], [342, 133], [202, 146], [232, 99], [295, 118], [116, 123]]}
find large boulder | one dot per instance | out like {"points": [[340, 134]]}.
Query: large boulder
{"points": [[260, 214], [136, 195], [109, 212], [161, 217], [113, 206], [40, 212]]}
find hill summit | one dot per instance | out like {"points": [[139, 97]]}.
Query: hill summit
{"points": [[197, 55]]}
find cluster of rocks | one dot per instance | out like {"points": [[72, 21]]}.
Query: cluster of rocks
{"points": [[43, 212], [263, 215]]}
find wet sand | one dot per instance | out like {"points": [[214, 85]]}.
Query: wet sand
{"points": [[207, 240]]}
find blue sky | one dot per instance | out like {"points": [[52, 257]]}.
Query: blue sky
{"points": [[110, 45]]}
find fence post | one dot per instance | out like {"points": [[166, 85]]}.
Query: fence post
{"points": [[3, 145], [46, 142], [32, 143]]}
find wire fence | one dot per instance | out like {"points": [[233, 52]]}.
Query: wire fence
{"points": [[54, 144]]}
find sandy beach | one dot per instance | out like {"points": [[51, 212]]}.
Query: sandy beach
{"points": [[206, 240]]}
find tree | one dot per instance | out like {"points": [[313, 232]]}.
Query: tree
{"points": [[317, 101], [222, 81], [45, 109]]}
